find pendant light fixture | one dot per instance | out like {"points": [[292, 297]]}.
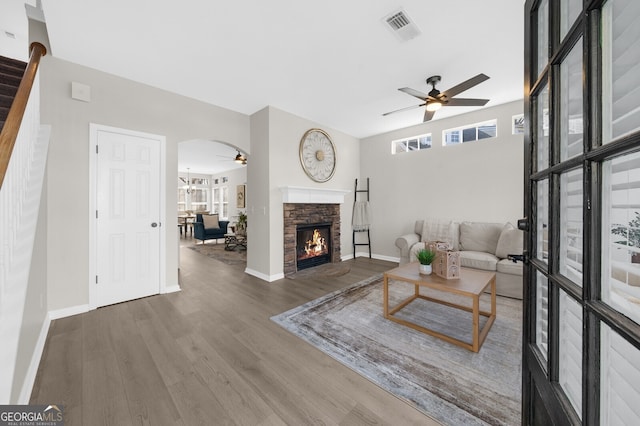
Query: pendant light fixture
{"points": [[189, 190]]}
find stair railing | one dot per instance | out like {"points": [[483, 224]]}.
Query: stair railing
{"points": [[11, 126]]}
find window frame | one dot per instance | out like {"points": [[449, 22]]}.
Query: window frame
{"points": [[406, 141], [458, 132]]}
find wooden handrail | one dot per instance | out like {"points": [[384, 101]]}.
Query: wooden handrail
{"points": [[11, 127]]}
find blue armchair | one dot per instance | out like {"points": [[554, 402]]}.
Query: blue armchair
{"points": [[203, 231]]}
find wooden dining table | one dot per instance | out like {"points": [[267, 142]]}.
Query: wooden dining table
{"points": [[186, 221]]}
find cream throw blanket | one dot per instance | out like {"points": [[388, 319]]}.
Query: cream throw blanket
{"points": [[361, 218]]}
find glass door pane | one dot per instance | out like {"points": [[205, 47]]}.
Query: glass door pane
{"points": [[620, 68], [200, 200], [542, 314], [570, 350], [571, 196], [216, 201], [621, 234], [542, 228], [571, 142], [569, 12], [542, 126], [182, 200], [620, 376], [225, 202], [543, 35]]}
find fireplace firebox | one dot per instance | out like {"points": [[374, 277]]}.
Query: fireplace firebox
{"points": [[313, 245]]}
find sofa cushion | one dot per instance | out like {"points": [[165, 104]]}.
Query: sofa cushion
{"points": [[210, 221], [510, 267], [510, 241], [480, 236], [438, 230], [478, 260]]}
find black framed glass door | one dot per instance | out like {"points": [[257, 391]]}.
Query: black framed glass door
{"points": [[581, 350]]}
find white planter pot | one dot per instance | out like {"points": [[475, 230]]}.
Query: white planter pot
{"points": [[425, 269]]}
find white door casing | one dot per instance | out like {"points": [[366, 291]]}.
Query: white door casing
{"points": [[127, 233]]}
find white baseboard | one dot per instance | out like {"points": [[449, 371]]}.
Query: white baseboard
{"points": [[67, 312], [32, 371], [264, 277], [387, 258], [172, 289], [377, 256]]}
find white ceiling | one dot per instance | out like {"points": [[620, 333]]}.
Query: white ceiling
{"points": [[333, 61], [206, 157]]}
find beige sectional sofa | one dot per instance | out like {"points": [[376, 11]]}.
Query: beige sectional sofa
{"points": [[482, 245]]}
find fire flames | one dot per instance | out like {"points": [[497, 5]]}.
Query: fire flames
{"points": [[317, 245]]}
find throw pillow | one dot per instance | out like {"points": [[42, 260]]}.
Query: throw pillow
{"points": [[437, 230], [480, 236], [510, 241], [210, 221]]}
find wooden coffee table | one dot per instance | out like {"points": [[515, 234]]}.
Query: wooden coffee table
{"points": [[472, 283]]}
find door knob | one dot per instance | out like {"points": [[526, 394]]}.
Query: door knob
{"points": [[523, 224], [154, 224]]}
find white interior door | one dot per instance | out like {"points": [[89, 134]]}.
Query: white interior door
{"points": [[127, 222]]}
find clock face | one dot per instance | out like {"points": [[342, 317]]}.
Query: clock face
{"points": [[317, 155]]}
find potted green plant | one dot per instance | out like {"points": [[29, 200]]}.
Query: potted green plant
{"points": [[241, 224], [631, 233], [425, 257]]}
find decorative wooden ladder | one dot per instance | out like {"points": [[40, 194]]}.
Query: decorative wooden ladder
{"points": [[355, 200]]}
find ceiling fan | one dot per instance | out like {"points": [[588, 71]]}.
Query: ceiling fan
{"points": [[436, 99], [239, 158]]}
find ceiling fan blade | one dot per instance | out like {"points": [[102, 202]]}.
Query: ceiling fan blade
{"points": [[428, 115], [412, 92], [473, 81], [403, 109], [466, 102]]}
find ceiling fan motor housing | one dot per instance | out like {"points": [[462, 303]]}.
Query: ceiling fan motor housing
{"points": [[433, 80]]}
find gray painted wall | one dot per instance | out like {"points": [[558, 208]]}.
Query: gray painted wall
{"points": [[119, 103], [478, 181], [276, 134], [258, 230], [271, 136]]}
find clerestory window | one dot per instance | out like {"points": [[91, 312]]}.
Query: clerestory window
{"points": [[414, 143], [470, 133]]}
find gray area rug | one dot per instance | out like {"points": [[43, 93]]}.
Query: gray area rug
{"points": [[446, 382], [217, 251]]}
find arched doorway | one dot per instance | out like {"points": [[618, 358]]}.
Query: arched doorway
{"points": [[210, 177]]}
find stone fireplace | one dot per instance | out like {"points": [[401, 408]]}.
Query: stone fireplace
{"points": [[311, 220]]}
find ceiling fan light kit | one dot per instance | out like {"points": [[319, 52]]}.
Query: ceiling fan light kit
{"points": [[434, 106], [240, 159], [436, 99]]}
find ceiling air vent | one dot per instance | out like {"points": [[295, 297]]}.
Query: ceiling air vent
{"points": [[401, 25]]}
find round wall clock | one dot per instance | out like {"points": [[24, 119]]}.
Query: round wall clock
{"points": [[317, 155]]}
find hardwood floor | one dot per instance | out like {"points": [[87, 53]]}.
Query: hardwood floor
{"points": [[209, 355]]}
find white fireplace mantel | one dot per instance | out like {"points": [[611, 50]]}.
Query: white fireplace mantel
{"points": [[298, 194]]}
